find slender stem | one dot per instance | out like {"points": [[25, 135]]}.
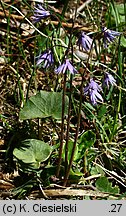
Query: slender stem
{"points": [[76, 135], [78, 125], [62, 127], [70, 98], [68, 125], [29, 84], [63, 99], [40, 128], [120, 71]]}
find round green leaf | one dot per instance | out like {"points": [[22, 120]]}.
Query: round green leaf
{"points": [[33, 152], [44, 104]]}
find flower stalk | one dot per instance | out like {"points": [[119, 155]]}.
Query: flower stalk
{"points": [[62, 126]]}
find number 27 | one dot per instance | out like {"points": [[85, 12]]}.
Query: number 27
{"points": [[116, 207]]}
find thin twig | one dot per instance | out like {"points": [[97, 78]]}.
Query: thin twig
{"points": [[64, 24], [78, 192]]}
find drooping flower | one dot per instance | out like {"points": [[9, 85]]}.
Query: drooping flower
{"points": [[66, 66], [93, 90], [85, 41], [109, 80], [47, 58], [109, 36], [39, 13]]}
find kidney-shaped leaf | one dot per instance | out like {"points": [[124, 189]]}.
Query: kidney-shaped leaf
{"points": [[33, 152], [44, 104]]}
